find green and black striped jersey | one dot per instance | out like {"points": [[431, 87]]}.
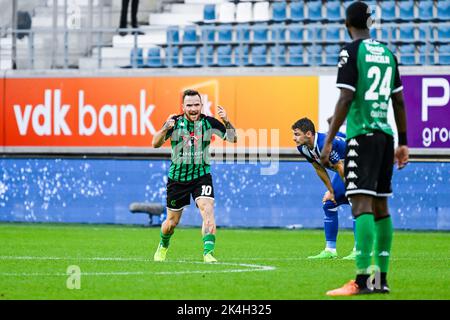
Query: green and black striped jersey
{"points": [[370, 70], [190, 146]]}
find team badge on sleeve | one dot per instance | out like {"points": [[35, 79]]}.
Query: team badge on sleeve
{"points": [[343, 58]]}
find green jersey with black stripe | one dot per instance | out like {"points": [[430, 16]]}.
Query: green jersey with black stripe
{"points": [[370, 69], [190, 146]]}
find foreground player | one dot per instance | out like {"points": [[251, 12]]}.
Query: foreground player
{"points": [[189, 173], [368, 77], [309, 144]]}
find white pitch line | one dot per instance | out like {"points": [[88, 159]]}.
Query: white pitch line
{"points": [[252, 267]]}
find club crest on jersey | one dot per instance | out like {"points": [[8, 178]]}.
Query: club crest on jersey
{"points": [[343, 58], [191, 140]]}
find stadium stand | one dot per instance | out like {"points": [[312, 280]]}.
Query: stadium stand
{"points": [[305, 32]]}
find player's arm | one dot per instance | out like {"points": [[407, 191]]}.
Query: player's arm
{"points": [[323, 175], [402, 152], [162, 135], [340, 113], [339, 167], [346, 81], [231, 135]]}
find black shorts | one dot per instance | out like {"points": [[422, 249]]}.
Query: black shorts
{"points": [[369, 164], [178, 193]]}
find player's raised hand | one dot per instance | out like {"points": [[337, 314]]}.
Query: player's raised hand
{"points": [[222, 113], [325, 155], [170, 122], [401, 156]]}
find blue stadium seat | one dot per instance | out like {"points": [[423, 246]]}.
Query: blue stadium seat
{"points": [[206, 55], [225, 33], [278, 55], [136, 57], [259, 55], [407, 54], [444, 54], [423, 30], [406, 34], [189, 56], [208, 33], [209, 13], [315, 55], [154, 57], [260, 32], [388, 33], [425, 10], [173, 34], [373, 33], [333, 11], [190, 34], [224, 56], [243, 32], [387, 11], [406, 11], [297, 11], [278, 32], [296, 32], [315, 34], [296, 55], [172, 53], [443, 10], [241, 54], [279, 11], [314, 9], [332, 54], [423, 55], [332, 34], [443, 34]]}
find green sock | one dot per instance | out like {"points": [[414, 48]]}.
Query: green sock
{"points": [[383, 242], [209, 241], [364, 227], [165, 238]]}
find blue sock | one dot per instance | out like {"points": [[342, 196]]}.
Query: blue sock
{"points": [[330, 224]]}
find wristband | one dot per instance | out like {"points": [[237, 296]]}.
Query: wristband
{"points": [[402, 140]]}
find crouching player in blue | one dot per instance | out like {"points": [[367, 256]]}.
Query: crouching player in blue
{"points": [[309, 144]]}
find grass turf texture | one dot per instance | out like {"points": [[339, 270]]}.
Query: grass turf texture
{"points": [[419, 265]]}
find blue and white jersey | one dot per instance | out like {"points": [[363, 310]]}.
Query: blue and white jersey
{"points": [[337, 151]]}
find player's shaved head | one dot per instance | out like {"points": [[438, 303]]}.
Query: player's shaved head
{"points": [[358, 15]]}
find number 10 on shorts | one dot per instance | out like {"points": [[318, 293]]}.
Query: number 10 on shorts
{"points": [[206, 190]]}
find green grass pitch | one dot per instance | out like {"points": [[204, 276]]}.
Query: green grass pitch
{"points": [[116, 263]]}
